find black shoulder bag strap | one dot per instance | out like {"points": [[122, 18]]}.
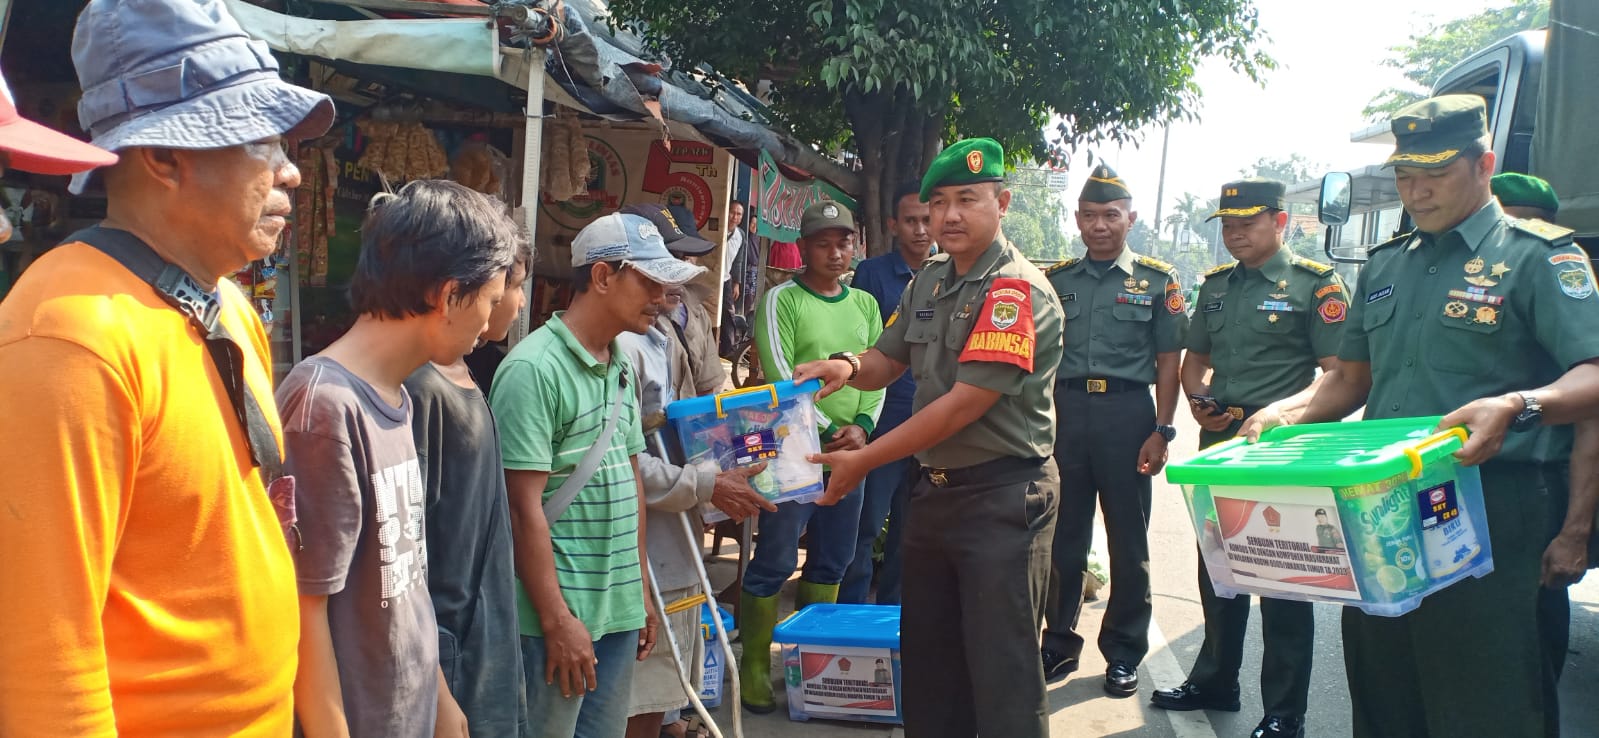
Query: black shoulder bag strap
{"points": [[172, 284]]}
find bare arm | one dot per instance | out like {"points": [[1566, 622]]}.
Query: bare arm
{"points": [[1152, 455], [877, 371], [570, 664], [928, 427], [646, 636], [1565, 561], [1195, 367], [1574, 396], [318, 699], [1167, 386], [451, 721]]}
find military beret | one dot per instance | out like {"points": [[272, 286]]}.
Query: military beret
{"points": [[1431, 134], [1104, 185], [966, 161], [1247, 197], [825, 214], [1514, 189]]}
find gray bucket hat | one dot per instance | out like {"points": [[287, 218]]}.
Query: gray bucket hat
{"points": [[182, 74]]}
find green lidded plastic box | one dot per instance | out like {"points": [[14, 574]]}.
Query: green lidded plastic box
{"points": [[1374, 514]]}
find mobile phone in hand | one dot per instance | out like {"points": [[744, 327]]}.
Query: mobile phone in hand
{"points": [[1209, 402]]}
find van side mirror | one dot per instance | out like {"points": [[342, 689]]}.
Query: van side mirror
{"points": [[1337, 190]]}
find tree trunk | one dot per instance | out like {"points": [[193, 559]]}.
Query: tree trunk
{"points": [[895, 138]]}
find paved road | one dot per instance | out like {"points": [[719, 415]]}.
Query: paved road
{"points": [[1080, 708]]}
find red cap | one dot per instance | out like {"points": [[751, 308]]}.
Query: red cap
{"points": [[34, 148]]}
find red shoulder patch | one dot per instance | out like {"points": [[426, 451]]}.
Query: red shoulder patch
{"points": [[1004, 331]]}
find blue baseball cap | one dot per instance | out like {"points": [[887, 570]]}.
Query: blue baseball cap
{"points": [[182, 74], [634, 241]]}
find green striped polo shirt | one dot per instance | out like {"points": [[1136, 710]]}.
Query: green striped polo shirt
{"points": [[551, 399]]}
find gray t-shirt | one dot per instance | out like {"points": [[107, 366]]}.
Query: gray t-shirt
{"points": [[359, 496], [470, 573]]}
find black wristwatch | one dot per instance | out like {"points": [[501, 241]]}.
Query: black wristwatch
{"points": [[854, 363], [1167, 431], [1531, 415]]}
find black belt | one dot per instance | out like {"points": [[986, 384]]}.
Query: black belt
{"points": [[1095, 385], [984, 472]]}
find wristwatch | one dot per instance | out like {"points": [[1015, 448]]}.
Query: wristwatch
{"points": [[854, 363], [1531, 415], [1166, 431]]}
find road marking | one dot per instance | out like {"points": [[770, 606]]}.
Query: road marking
{"points": [[1162, 665], [1161, 662]]}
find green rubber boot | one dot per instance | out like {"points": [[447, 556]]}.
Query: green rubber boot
{"points": [[759, 615], [811, 593]]}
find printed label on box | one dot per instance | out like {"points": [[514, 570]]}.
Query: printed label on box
{"points": [[848, 681], [1285, 546], [757, 447]]}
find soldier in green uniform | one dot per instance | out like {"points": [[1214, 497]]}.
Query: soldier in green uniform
{"points": [[1124, 323], [1262, 327], [1494, 316], [981, 330]]}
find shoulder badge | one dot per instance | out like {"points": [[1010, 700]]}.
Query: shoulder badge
{"points": [[1221, 269], [1316, 267], [1059, 265], [1395, 241], [1543, 230], [937, 258], [1156, 264]]}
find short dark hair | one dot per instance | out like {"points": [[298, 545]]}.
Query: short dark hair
{"points": [[429, 233], [583, 276], [904, 190], [1474, 150], [739, 203]]}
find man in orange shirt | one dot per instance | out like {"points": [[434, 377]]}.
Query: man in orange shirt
{"points": [[147, 585]]}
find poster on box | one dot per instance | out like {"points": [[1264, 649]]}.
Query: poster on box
{"points": [[1297, 547], [849, 682]]}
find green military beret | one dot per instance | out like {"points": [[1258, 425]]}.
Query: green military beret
{"points": [[1247, 197], [1432, 133], [966, 161], [1515, 189], [1104, 185], [825, 214]]}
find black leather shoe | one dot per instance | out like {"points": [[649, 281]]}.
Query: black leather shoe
{"points": [[1279, 727], [1191, 696], [1057, 664], [1121, 679]]}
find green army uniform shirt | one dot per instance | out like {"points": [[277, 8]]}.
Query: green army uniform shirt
{"points": [[1496, 305], [997, 327], [1264, 329], [1119, 317]]}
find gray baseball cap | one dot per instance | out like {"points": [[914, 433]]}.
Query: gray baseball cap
{"points": [[182, 74], [634, 241]]}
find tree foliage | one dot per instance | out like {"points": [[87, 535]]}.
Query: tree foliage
{"points": [[1431, 52], [1036, 223], [891, 80]]}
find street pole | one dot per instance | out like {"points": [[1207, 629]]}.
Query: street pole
{"points": [[1160, 189]]}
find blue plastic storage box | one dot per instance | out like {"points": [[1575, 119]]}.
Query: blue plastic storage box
{"points": [[841, 662], [775, 423]]}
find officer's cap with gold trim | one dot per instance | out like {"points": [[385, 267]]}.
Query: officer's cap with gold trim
{"points": [[1246, 197], [1431, 134], [966, 161], [1104, 185]]}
